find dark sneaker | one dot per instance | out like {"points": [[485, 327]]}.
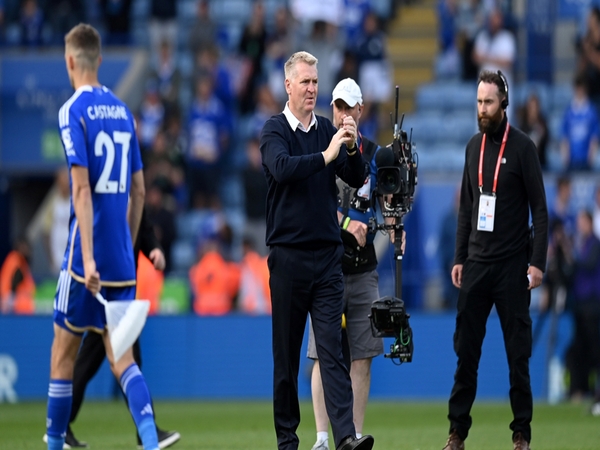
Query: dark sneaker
{"points": [[72, 442], [165, 438], [519, 442], [454, 442]]}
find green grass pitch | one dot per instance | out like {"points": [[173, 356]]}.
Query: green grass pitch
{"points": [[214, 425]]}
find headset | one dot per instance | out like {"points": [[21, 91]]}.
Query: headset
{"points": [[504, 103]]}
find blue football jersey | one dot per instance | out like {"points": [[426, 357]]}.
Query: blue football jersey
{"points": [[98, 132]]}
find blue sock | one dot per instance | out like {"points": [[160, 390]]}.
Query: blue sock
{"points": [[140, 405], [60, 396]]}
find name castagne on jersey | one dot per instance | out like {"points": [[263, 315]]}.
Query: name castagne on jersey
{"points": [[107, 112], [95, 112]]}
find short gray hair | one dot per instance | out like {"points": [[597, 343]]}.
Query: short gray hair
{"points": [[290, 65]]}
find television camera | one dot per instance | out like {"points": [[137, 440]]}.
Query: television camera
{"points": [[396, 181]]}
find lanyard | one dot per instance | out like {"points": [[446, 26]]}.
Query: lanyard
{"points": [[361, 141], [504, 138]]}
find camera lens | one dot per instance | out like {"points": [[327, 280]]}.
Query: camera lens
{"points": [[389, 180]]}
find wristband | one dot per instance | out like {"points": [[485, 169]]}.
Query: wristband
{"points": [[345, 223]]}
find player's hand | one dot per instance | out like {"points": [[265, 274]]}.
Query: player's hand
{"points": [[359, 231], [457, 275], [92, 277], [158, 259], [535, 276]]}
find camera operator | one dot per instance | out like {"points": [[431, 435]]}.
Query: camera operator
{"points": [[493, 264], [302, 153], [359, 264]]}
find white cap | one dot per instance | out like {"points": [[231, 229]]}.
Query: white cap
{"points": [[349, 91]]}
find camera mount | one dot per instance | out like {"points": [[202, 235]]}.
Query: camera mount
{"points": [[396, 181]]}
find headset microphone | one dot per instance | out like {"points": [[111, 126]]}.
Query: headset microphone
{"points": [[504, 103]]}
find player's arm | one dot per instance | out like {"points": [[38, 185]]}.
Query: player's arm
{"points": [[136, 203], [82, 204]]}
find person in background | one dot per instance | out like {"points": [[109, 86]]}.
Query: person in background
{"points": [[588, 51], [32, 24], [151, 116], [162, 28], [493, 265], [17, 287], [117, 19], [302, 153], [562, 208], [209, 127], [162, 220], [203, 33], [533, 123], [580, 130], [583, 355], [214, 280], [167, 76], [56, 221], [255, 189], [254, 296], [252, 46], [496, 48], [469, 21]]}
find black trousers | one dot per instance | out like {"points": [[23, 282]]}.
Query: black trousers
{"points": [[306, 281], [503, 284], [89, 359]]}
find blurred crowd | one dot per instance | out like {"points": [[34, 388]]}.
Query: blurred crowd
{"points": [[482, 34], [206, 95]]}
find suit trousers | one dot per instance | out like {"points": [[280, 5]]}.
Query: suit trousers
{"points": [[308, 280], [502, 284]]}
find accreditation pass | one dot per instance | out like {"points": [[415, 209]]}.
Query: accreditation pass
{"points": [[487, 208]]}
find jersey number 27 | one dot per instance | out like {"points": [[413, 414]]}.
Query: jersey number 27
{"points": [[104, 142]]}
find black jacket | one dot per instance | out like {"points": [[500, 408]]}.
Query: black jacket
{"points": [[302, 193], [520, 187]]}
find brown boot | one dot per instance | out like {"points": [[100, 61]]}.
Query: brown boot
{"points": [[519, 442], [454, 442]]}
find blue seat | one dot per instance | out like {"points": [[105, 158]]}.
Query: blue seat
{"points": [[444, 96], [442, 156], [426, 126], [461, 97], [429, 97], [459, 127]]}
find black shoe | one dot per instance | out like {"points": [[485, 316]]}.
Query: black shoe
{"points": [[165, 438], [351, 443], [72, 442]]}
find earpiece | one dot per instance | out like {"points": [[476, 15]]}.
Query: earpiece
{"points": [[504, 103]]}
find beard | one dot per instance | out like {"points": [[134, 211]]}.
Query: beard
{"points": [[489, 124]]}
